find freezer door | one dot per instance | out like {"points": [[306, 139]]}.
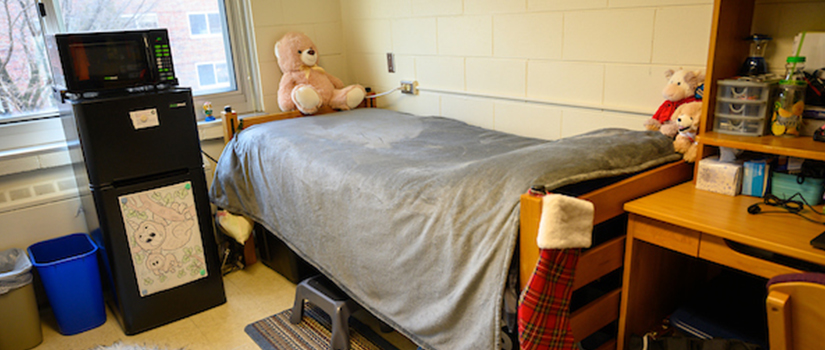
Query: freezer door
{"points": [[130, 137]]}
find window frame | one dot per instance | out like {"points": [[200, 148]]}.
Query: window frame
{"points": [[244, 99]]}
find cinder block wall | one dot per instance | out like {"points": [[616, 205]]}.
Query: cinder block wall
{"points": [[541, 68]]}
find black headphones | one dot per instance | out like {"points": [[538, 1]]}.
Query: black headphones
{"points": [[789, 205]]}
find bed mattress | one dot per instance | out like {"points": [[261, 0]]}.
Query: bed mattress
{"points": [[415, 218]]}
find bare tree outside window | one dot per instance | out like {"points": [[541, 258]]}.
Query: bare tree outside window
{"points": [[24, 76], [100, 15]]}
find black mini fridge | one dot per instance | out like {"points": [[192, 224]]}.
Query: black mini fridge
{"points": [[140, 173]]}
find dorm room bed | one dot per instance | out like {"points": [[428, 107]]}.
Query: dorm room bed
{"points": [[449, 312]]}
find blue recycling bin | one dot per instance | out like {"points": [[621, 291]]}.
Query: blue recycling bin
{"points": [[68, 269]]}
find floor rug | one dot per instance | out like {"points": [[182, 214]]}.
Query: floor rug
{"points": [[121, 346], [313, 333]]}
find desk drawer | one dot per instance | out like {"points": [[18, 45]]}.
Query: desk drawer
{"points": [[715, 249], [665, 235]]}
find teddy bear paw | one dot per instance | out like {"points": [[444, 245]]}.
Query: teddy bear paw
{"points": [[306, 99], [354, 97], [690, 154], [652, 125], [669, 129]]}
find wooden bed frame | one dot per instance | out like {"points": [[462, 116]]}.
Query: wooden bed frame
{"points": [[594, 263]]}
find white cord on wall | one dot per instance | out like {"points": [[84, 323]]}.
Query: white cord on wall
{"points": [[384, 93]]}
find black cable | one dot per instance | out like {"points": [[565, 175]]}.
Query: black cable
{"points": [[791, 206], [794, 204], [210, 157]]}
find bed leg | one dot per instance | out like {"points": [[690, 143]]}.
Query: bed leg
{"points": [[249, 252]]}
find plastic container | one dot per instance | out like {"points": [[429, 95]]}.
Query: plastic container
{"points": [[19, 317], [790, 101], [742, 107], [69, 271], [744, 90], [737, 125], [786, 185]]}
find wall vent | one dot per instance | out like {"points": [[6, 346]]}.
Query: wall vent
{"points": [[20, 193]]}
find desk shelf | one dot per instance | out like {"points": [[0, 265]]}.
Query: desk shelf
{"points": [[801, 147]]}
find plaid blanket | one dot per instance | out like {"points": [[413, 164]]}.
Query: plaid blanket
{"points": [[544, 308]]}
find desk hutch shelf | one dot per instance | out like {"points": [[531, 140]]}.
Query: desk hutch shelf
{"points": [[732, 21]]}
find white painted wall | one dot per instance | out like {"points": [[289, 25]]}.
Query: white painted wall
{"points": [[545, 68], [42, 216], [563, 67], [783, 20]]}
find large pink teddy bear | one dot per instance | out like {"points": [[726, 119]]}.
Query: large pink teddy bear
{"points": [[304, 85]]}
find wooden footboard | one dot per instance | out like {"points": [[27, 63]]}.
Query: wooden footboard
{"points": [[605, 258], [232, 124]]}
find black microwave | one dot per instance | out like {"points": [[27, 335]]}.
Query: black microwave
{"points": [[106, 62]]}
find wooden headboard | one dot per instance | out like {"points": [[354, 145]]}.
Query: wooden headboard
{"points": [[233, 125]]}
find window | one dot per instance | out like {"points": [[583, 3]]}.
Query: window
{"points": [[24, 71], [25, 85], [140, 21], [204, 37], [205, 24], [211, 75]]}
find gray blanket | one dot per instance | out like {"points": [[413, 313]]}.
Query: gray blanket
{"points": [[415, 218]]}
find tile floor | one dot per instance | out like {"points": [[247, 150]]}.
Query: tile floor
{"points": [[252, 294]]}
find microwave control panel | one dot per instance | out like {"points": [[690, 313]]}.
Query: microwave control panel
{"points": [[161, 53]]}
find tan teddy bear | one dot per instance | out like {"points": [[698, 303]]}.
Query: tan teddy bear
{"points": [[304, 85], [680, 89], [687, 118]]}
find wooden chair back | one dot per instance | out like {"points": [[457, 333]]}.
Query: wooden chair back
{"points": [[796, 314]]}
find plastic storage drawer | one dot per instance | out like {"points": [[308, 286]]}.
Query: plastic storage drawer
{"points": [[738, 125], [741, 108], [744, 90]]}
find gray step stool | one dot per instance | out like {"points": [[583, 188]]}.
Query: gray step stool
{"points": [[323, 293]]}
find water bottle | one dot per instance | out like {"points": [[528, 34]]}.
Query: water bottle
{"points": [[790, 101]]}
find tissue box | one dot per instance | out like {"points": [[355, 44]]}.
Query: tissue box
{"points": [[755, 178], [719, 177]]}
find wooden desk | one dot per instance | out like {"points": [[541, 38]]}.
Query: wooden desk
{"points": [[672, 234]]}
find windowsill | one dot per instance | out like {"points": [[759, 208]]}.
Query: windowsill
{"points": [[34, 158], [210, 130]]}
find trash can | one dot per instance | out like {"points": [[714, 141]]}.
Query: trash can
{"points": [[19, 317], [68, 269]]}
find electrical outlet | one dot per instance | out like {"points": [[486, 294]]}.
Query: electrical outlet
{"points": [[409, 87], [390, 62]]}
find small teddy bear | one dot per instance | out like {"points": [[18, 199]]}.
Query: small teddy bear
{"points": [[304, 85], [680, 89], [687, 118]]}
